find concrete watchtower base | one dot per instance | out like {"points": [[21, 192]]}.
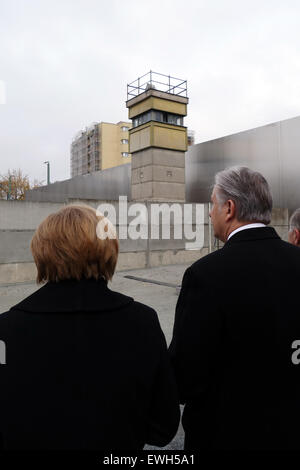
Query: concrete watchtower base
{"points": [[158, 175]]}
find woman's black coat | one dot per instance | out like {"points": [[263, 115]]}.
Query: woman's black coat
{"points": [[86, 368]]}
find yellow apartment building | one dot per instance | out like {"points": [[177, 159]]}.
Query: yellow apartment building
{"points": [[100, 146]]}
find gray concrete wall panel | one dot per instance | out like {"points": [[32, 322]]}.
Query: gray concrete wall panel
{"points": [[106, 184], [24, 215], [273, 150], [15, 246]]}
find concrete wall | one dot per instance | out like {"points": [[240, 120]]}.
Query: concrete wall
{"points": [[273, 150], [106, 184], [19, 219]]}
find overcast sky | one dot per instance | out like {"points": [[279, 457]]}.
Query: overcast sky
{"points": [[66, 64]]}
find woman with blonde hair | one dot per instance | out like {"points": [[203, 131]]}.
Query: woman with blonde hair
{"points": [[86, 367]]}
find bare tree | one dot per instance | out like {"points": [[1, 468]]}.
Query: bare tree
{"points": [[14, 184]]}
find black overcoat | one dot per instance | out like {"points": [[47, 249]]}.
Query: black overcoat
{"points": [[237, 317], [86, 368]]}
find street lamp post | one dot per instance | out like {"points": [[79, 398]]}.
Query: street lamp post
{"points": [[48, 172], [9, 188]]}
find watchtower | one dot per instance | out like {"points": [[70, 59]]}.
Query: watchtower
{"points": [[158, 141]]}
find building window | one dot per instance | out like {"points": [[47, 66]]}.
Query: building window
{"points": [[159, 116], [124, 128], [124, 141], [142, 119], [125, 154]]}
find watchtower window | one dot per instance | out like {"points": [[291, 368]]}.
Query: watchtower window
{"points": [[159, 116]]}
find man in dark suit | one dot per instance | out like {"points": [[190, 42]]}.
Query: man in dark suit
{"points": [[236, 327], [294, 232]]}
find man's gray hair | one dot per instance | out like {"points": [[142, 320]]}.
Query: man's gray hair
{"points": [[295, 220], [250, 192]]}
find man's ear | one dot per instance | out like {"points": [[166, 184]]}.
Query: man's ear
{"points": [[294, 236], [230, 209]]}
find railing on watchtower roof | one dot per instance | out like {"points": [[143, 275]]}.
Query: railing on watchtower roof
{"points": [[157, 81]]}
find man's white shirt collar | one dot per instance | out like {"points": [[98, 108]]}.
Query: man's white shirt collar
{"points": [[244, 227]]}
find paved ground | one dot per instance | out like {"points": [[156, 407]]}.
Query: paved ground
{"points": [[155, 293]]}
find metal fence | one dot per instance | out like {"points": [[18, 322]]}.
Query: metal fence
{"points": [[157, 81]]}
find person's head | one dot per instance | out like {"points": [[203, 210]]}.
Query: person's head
{"points": [[66, 245], [294, 231], [240, 196]]}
